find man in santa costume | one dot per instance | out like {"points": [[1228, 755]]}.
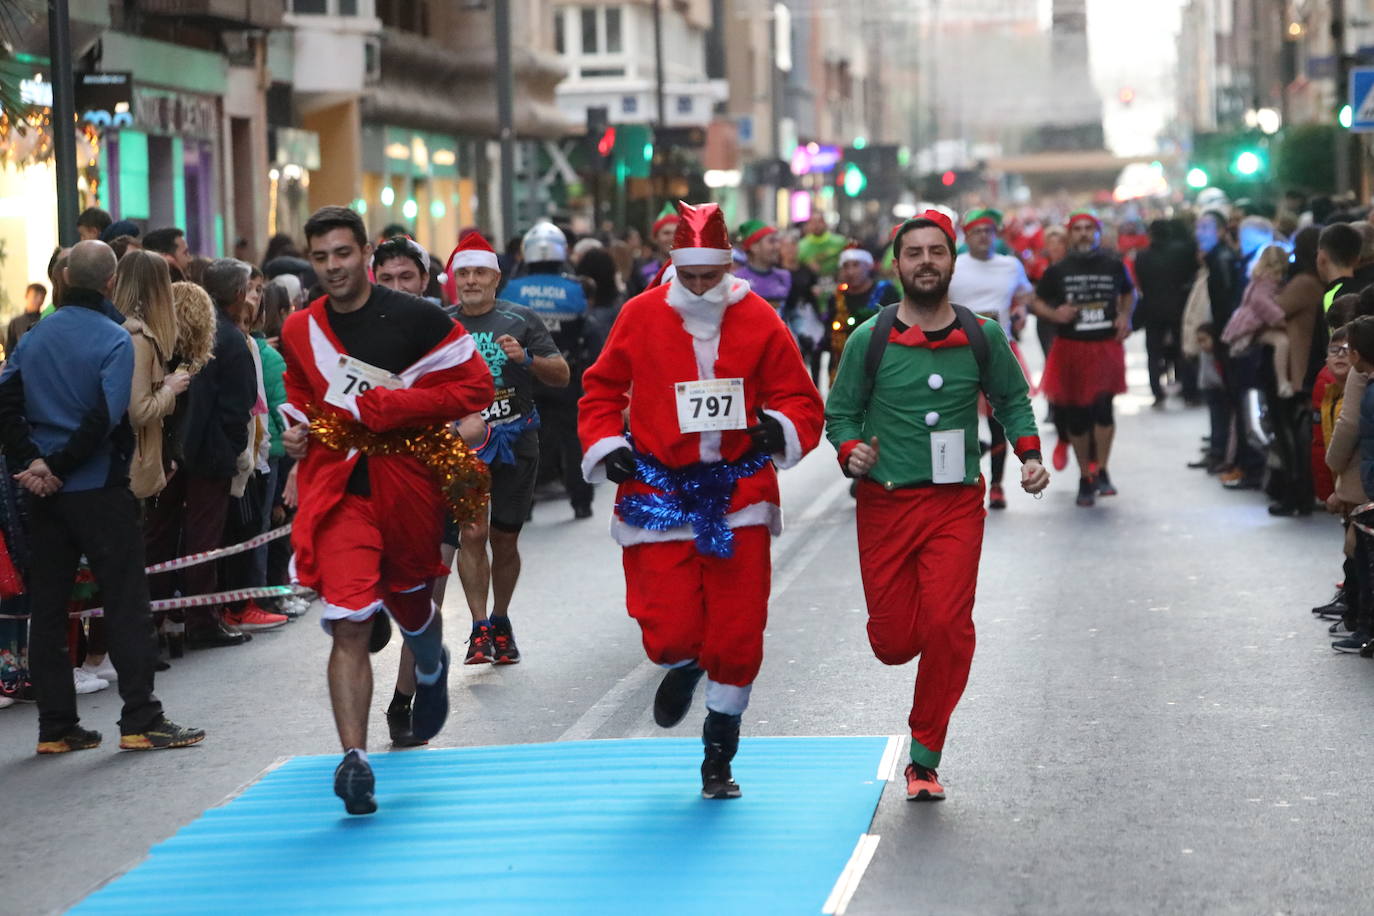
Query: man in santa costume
{"points": [[373, 377], [720, 396]]}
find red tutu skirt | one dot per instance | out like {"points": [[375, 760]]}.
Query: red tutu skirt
{"points": [[1078, 372]]}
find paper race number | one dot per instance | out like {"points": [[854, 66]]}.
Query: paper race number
{"points": [[1092, 316], [353, 377], [710, 404], [502, 409]]}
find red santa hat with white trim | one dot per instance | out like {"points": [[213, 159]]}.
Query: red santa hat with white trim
{"points": [[473, 251], [702, 238]]}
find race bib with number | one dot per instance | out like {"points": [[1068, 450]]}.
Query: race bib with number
{"points": [[503, 408], [353, 377], [710, 404], [947, 456], [1092, 316]]}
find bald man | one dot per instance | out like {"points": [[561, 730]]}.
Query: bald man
{"points": [[64, 397]]}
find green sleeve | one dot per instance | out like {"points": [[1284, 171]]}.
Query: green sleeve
{"points": [[847, 405], [1007, 388]]}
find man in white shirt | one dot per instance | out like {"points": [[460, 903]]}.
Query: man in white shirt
{"points": [[994, 286]]}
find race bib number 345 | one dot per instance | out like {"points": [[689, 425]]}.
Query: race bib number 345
{"points": [[352, 378], [710, 404]]}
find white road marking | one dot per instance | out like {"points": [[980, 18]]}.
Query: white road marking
{"points": [[887, 767], [848, 882]]}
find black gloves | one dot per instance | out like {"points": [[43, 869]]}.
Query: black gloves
{"points": [[768, 435], [620, 465]]}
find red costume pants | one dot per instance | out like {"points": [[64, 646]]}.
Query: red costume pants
{"points": [[918, 554], [693, 606]]}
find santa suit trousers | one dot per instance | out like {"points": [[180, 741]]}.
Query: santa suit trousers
{"points": [[918, 555], [693, 606]]}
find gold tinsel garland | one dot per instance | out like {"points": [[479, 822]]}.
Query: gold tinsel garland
{"points": [[462, 476]]}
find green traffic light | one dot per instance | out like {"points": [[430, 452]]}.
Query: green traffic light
{"points": [[854, 180], [1197, 178], [648, 152], [860, 142], [1248, 163], [1347, 116]]}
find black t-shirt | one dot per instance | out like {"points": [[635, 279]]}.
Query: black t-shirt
{"points": [[1090, 283], [514, 382], [902, 327], [391, 331]]}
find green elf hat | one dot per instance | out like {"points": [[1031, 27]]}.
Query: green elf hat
{"points": [[753, 231], [666, 217], [1088, 215], [983, 216]]}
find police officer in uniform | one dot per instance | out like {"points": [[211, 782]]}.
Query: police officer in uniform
{"points": [[560, 300]]}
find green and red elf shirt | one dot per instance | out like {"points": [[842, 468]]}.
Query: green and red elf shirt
{"points": [[925, 386]]}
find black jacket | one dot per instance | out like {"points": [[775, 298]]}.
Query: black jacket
{"points": [[1225, 284], [218, 405], [1164, 272]]}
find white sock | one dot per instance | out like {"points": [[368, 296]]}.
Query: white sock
{"points": [[357, 750]]}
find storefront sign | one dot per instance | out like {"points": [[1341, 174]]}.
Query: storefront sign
{"points": [[105, 99], [172, 114], [296, 147]]}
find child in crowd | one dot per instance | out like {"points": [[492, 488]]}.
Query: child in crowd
{"points": [[1260, 319], [1214, 393]]}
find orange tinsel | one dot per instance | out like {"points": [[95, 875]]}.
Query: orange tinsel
{"points": [[462, 476]]}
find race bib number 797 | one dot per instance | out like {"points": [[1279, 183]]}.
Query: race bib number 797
{"points": [[710, 404]]}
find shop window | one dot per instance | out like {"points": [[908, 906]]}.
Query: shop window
{"points": [[133, 175], [601, 72], [310, 7]]}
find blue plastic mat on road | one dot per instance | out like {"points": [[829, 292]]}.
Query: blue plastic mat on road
{"points": [[578, 827]]}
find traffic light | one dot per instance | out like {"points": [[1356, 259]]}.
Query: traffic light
{"points": [[949, 178], [854, 181], [1249, 162], [1198, 178], [606, 144]]}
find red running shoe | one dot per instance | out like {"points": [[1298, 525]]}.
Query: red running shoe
{"points": [[480, 648], [996, 498], [251, 617], [1061, 455], [922, 784]]}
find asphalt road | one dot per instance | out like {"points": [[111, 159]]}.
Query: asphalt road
{"points": [[1154, 721]]}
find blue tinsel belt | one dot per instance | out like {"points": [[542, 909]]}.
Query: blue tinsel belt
{"points": [[697, 495], [500, 447]]}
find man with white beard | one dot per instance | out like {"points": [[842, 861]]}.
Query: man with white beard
{"points": [[721, 397]]}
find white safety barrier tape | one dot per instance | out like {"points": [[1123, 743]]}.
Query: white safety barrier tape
{"points": [[196, 559], [241, 594]]}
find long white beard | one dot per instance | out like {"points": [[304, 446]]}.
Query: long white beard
{"points": [[702, 315]]}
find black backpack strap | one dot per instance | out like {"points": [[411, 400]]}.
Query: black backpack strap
{"points": [[877, 343], [977, 340]]}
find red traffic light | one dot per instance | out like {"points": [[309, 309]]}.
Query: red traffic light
{"points": [[948, 178], [606, 145]]}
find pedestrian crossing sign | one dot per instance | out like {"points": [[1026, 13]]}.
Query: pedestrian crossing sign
{"points": [[1362, 99]]}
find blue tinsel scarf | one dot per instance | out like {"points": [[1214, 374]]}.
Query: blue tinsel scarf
{"points": [[697, 495]]}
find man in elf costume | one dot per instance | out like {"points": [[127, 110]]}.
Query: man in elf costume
{"points": [[661, 236], [903, 415], [760, 244], [720, 396]]}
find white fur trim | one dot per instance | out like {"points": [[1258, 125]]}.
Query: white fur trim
{"points": [[793, 451], [856, 254], [766, 514], [701, 257], [447, 355], [727, 698], [327, 360], [474, 259], [593, 471]]}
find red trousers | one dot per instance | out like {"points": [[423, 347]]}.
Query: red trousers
{"points": [[693, 606], [918, 554]]}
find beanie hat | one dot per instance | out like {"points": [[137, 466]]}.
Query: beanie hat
{"points": [[983, 216], [856, 255], [701, 239], [1088, 215], [473, 251]]}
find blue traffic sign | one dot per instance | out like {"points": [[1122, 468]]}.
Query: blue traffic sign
{"points": [[1362, 99]]}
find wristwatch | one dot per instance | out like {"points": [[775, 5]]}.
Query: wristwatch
{"points": [[529, 359]]}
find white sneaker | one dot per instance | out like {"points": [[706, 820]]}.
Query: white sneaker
{"points": [[105, 670], [5, 701], [87, 682]]}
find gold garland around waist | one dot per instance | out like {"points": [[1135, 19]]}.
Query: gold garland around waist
{"points": [[463, 477]]}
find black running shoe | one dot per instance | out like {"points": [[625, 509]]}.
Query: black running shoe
{"points": [[1336, 607], [76, 738], [716, 781], [480, 649], [429, 709], [398, 723], [1352, 643], [503, 648], [355, 784], [162, 734], [674, 696], [381, 632], [1104, 483], [1087, 491]]}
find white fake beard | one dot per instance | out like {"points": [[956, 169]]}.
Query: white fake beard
{"points": [[701, 315]]}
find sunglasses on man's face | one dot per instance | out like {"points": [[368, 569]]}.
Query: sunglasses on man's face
{"points": [[1338, 350]]}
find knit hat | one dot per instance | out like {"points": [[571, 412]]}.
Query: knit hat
{"points": [[701, 239], [983, 216], [118, 228], [473, 251], [753, 231], [1088, 215], [668, 216]]}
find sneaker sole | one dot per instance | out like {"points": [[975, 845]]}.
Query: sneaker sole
{"points": [[361, 803], [722, 794], [506, 660], [1346, 650], [62, 747], [258, 627], [478, 659], [925, 795], [141, 743]]}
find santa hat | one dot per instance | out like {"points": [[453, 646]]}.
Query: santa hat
{"points": [[983, 216], [856, 255], [927, 217], [754, 231], [667, 217], [1088, 215], [701, 239], [473, 251]]}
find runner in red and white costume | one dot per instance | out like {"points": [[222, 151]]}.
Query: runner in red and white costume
{"points": [[362, 362]]}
